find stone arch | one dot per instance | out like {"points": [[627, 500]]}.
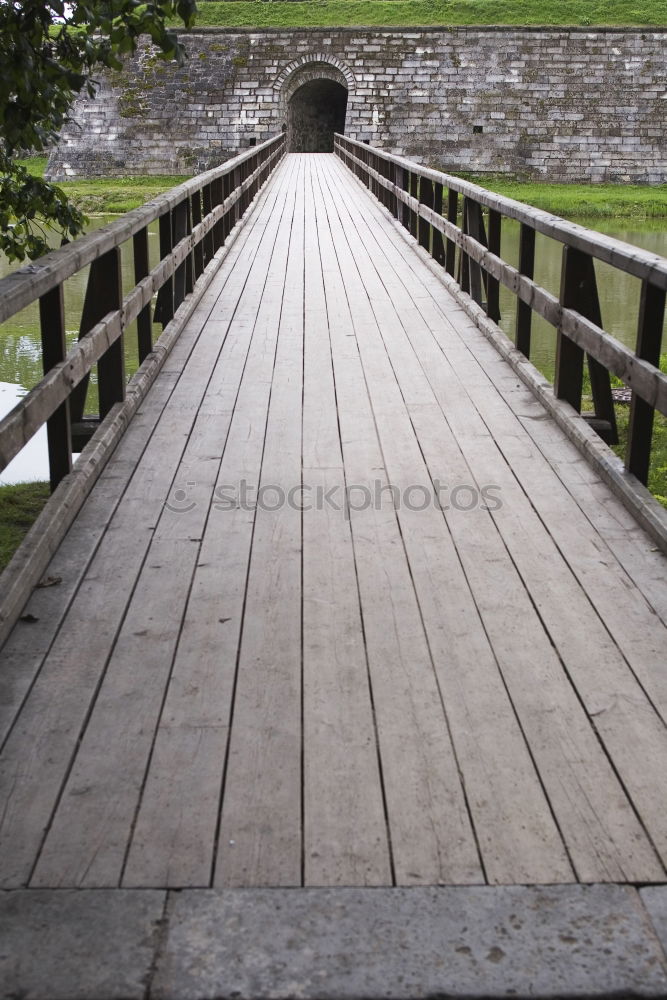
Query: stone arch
{"points": [[313, 92], [318, 66]]}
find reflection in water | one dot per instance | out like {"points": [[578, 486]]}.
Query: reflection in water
{"points": [[21, 352], [32, 462], [618, 292]]}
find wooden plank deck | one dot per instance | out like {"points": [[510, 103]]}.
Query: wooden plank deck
{"points": [[345, 683]]}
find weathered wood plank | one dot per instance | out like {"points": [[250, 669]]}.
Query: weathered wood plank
{"points": [[345, 833], [415, 629], [174, 838], [420, 770], [28, 643], [41, 748], [583, 644], [87, 840], [632, 548], [500, 778], [260, 840]]}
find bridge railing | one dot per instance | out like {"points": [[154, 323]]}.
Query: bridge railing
{"points": [[459, 224], [194, 221]]}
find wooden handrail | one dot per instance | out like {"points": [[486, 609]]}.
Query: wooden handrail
{"points": [[415, 195], [195, 219], [626, 257], [30, 282]]}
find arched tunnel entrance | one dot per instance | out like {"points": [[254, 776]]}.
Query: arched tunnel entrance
{"points": [[315, 111]]}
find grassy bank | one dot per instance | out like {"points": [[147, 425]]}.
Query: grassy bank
{"points": [[19, 506], [340, 13], [657, 480], [104, 196], [591, 200], [108, 195]]}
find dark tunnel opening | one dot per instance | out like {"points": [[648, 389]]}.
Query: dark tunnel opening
{"points": [[315, 111]]}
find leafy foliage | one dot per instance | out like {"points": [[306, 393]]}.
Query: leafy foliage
{"points": [[49, 52]]}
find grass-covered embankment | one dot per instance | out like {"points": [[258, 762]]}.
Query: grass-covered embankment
{"points": [[657, 480], [19, 506], [601, 201], [108, 195], [399, 13]]}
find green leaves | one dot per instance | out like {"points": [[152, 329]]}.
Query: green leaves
{"points": [[29, 207], [48, 53]]}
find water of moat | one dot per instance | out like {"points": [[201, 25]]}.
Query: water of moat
{"points": [[20, 354]]}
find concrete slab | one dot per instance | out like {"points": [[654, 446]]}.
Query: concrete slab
{"points": [[333, 944], [654, 899], [64, 944]]}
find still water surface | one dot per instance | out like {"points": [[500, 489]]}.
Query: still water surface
{"points": [[20, 347], [21, 351]]}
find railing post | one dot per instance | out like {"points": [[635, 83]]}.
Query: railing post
{"points": [[492, 284], [104, 294], [219, 230], [414, 191], [111, 366], [207, 203], [236, 179], [198, 250], [180, 223], [141, 271], [404, 209], [424, 226], [463, 276], [478, 232], [54, 349], [579, 292], [164, 307], [524, 314], [649, 340], [438, 250], [450, 245], [384, 193], [392, 202], [568, 377], [398, 181], [230, 218], [189, 260]]}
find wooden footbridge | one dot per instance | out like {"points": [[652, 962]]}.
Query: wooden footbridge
{"points": [[340, 593]]}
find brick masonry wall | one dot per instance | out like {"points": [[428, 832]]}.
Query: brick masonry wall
{"points": [[557, 104]]}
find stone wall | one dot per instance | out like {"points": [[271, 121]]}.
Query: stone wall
{"points": [[563, 104]]}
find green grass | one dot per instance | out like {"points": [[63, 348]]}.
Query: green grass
{"points": [[108, 195], [589, 200], [339, 13], [19, 506], [657, 478], [35, 165]]}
